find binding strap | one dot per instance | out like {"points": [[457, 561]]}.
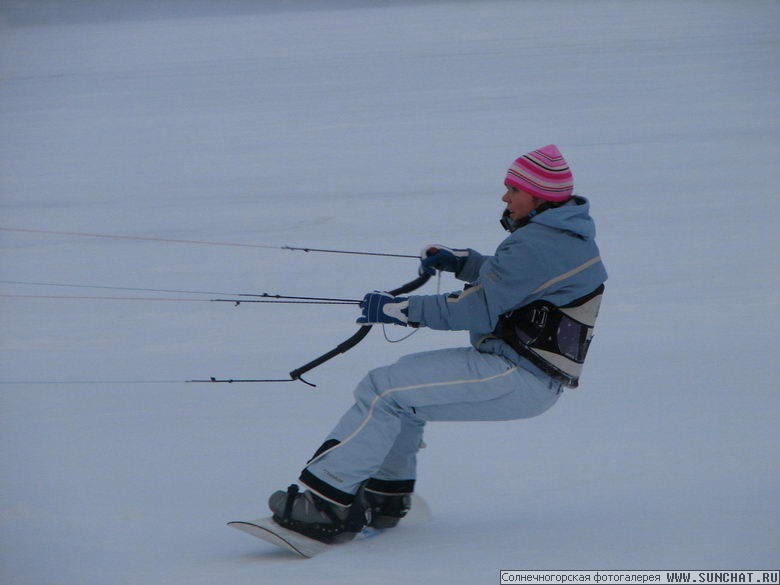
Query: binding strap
{"points": [[292, 493]]}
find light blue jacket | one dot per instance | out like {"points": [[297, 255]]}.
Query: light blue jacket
{"points": [[553, 258]]}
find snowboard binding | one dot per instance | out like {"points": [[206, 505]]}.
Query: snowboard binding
{"points": [[386, 510], [317, 518]]}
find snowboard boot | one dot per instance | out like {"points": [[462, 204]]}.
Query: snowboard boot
{"points": [[310, 515], [386, 509]]}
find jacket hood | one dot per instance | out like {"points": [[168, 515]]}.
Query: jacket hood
{"points": [[572, 217]]}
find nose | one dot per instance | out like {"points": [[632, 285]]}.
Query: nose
{"points": [[505, 198]]}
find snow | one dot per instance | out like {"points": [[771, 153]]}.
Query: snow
{"points": [[380, 126]]}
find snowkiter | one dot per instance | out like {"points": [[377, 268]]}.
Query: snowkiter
{"points": [[530, 309]]}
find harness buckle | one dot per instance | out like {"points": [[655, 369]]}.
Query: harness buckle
{"points": [[539, 316]]}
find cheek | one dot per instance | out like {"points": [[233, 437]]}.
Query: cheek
{"points": [[521, 205]]}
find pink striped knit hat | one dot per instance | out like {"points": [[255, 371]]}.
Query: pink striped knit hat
{"points": [[543, 173]]}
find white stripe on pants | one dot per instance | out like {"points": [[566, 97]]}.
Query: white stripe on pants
{"points": [[379, 436]]}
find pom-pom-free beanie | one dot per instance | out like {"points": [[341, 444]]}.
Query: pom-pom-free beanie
{"points": [[544, 173]]}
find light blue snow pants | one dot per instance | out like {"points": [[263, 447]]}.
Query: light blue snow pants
{"points": [[378, 438]]}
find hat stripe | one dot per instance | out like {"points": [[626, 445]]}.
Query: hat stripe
{"points": [[540, 154], [542, 178], [562, 174], [546, 186], [550, 166]]}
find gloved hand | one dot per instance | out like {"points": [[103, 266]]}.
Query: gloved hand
{"points": [[436, 257], [382, 307]]}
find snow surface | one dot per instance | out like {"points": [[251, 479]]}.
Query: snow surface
{"points": [[380, 126]]}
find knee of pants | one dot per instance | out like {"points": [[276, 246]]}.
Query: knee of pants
{"points": [[372, 388]]}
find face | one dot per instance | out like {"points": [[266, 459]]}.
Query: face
{"points": [[519, 203]]}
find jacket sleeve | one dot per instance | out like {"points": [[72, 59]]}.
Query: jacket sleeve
{"points": [[505, 282], [470, 271]]}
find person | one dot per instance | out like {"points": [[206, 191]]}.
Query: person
{"points": [[530, 309]]}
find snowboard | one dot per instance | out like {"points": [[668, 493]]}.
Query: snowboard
{"points": [[303, 546]]}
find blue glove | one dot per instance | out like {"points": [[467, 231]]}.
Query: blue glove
{"points": [[382, 307], [436, 257]]}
